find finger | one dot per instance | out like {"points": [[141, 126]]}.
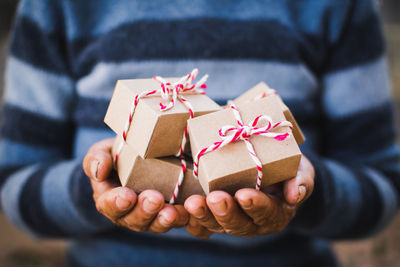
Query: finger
{"points": [[298, 189], [196, 229], [281, 216], [97, 163], [268, 213], [228, 214], [165, 220], [99, 188], [196, 206], [149, 203], [257, 205], [183, 216], [116, 202]]}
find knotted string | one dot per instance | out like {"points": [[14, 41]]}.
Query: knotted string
{"points": [[230, 134], [269, 92]]}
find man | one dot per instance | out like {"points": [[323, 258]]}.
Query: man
{"points": [[325, 58]]}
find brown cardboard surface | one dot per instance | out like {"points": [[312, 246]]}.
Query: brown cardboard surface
{"points": [[263, 87], [297, 132], [153, 133], [252, 93], [160, 174], [231, 167]]}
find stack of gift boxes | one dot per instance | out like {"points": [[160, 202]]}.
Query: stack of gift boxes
{"points": [[173, 138]]}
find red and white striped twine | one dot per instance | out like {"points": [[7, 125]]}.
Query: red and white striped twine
{"points": [[230, 134], [269, 92], [170, 92]]}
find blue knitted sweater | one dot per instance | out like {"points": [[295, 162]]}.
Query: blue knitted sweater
{"points": [[325, 58]]}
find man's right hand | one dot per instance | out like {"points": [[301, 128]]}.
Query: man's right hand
{"points": [[144, 212]]}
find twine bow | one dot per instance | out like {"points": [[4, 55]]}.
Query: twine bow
{"points": [[173, 91], [261, 125]]}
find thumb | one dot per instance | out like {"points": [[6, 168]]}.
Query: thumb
{"points": [[299, 188], [97, 163]]}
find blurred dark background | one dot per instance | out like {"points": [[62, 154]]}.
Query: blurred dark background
{"points": [[17, 249]]}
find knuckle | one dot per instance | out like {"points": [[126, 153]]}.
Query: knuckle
{"points": [[210, 223], [216, 229], [146, 218], [118, 223], [160, 231], [247, 230], [135, 225], [258, 210], [244, 234], [140, 224], [196, 231], [259, 216], [167, 222], [237, 232], [229, 231], [225, 219], [157, 229], [261, 221], [242, 230], [243, 227], [204, 219], [137, 228]]}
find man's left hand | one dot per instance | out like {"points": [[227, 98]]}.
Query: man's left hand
{"points": [[250, 212]]}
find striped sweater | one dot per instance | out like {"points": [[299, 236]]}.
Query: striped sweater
{"points": [[325, 58]]}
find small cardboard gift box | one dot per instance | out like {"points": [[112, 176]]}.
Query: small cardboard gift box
{"points": [[231, 167], [160, 174], [263, 90], [152, 132]]}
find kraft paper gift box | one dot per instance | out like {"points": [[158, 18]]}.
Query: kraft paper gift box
{"points": [[160, 174], [231, 167], [152, 132], [263, 90]]}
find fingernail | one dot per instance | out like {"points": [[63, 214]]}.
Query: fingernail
{"points": [[200, 213], [93, 168], [150, 206], [220, 207], [122, 202], [302, 193], [164, 220]]}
